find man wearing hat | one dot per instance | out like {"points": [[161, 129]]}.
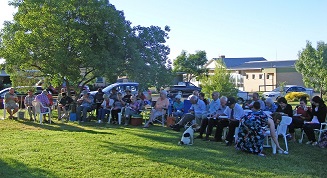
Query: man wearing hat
{"points": [[178, 107], [234, 112]]}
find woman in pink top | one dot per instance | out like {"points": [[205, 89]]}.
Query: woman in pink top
{"points": [[159, 109]]}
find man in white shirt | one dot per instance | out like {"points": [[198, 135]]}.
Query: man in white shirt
{"points": [[214, 105], [234, 112], [214, 119]]}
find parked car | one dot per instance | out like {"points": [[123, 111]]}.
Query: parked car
{"points": [[287, 89], [120, 87], [21, 95], [243, 94], [183, 88]]}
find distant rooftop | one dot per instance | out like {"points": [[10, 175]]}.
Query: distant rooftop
{"points": [[233, 62], [265, 64]]}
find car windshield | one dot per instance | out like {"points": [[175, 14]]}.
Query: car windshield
{"points": [[108, 88], [278, 89]]}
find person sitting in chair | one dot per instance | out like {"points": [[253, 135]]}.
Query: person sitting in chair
{"points": [[64, 105], [234, 113], [197, 111], [85, 105], [178, 108], [252, 131], [159, 109], [11, 99], [117, 107], [28, 104], [132, 109], [213, 108], [105, 108], [44, 100]]}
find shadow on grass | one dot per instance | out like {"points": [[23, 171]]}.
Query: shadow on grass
{"points": [[12, 168], [215, 158], [63, 127]]}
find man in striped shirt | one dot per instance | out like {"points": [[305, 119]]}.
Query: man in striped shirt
{"points": [[28, 104]]}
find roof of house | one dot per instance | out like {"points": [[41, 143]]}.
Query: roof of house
{"points": [[265, 64], [233, 62]]}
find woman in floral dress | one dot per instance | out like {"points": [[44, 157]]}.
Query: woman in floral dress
{"points": [[252, 131]]}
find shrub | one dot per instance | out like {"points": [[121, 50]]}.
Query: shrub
{"points": [[296, 96]]}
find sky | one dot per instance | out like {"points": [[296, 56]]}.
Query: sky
{"points": [[273, 29]]}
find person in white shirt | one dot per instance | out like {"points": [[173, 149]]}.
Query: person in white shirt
{"points": [[234, 112], [214, 105]]}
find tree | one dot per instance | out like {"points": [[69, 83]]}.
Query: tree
{"points": [[220, 81], [76, 41], [191, 64], [312, 64]]}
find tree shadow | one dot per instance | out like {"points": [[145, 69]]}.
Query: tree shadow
{"points": [[62, 127], [202, 155], [12, 168]]}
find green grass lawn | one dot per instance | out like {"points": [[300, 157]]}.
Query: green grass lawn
{"points": [[29, 149]]}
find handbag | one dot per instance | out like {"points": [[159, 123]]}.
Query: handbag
{"points": [[170, 120], [72, 117]]}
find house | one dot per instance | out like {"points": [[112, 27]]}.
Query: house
{"points": [[258, 74]]}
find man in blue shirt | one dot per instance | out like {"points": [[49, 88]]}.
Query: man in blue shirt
{"points": [[213, 108], [197, 111], [85, 102]]}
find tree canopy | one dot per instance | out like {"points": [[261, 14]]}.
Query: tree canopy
{"points": [[219, 81], [77, 41], [191, 64], [312, 64]]}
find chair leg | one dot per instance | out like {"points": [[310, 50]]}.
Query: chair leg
{"points": [[285, 139], [119, 118], [109, 118], [41, 118], [302, 135], [319, 136], [273, 145]]}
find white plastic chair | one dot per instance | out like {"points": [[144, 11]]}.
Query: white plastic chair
{"points": [[119, 116], [323, 128], [281, 130], [5, 110], [161, 119], [37, 105]]}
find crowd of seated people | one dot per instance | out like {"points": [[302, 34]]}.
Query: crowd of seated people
{"points": [[263, 114]]}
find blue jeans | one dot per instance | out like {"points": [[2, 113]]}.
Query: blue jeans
{"points": [[78, 112], [102, 113]]}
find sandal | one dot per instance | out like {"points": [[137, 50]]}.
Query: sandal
{"points": [[261, 155]]}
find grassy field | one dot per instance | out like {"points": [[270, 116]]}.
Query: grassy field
{"points": [[29, 149]]}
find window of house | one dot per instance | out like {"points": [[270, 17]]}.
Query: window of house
{"points": [[268, 76], [260, 76], [253, 76], [247, 76]]}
